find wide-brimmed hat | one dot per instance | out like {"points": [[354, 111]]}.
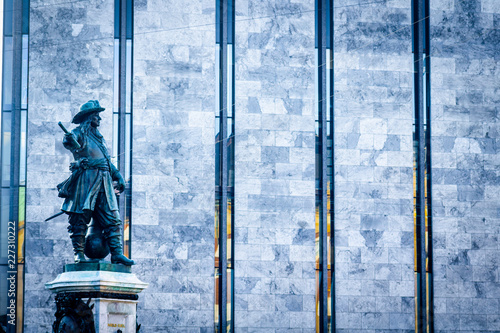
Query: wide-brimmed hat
{"points": [[87, 109]]}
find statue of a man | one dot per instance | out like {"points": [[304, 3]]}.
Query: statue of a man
{"points": [[89, 192]]}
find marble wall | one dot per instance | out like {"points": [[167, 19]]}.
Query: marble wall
{"points": [[373, 167], [274, 183], [173, 163], [465, 77]]}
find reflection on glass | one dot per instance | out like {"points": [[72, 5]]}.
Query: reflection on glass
{"points": [[128, 151], [114, 158], [4, 215], [6, 147], [7, 73], [128, 75], [24, 73], [324, 173], [116, 74], [22, 166], [122, 107], [3, 288]]}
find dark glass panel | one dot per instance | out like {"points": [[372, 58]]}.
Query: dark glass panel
{"points": [[3, 289], [117, 19], [26, 17], [217, 21], [130, 9], [7, 18], [230, 22]]}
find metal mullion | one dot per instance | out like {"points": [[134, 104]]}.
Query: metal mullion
{"points": [[223, 168]]}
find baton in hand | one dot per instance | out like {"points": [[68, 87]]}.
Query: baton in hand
{"points": [[66, 132]]}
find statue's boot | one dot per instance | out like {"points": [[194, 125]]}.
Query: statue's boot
{"points": [[115, 247], [78, 245]]}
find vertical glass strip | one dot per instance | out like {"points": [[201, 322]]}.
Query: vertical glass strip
{"points": [[218, 168], [122, 110], [422, 168], [428, 170], [324, 150], [224, 167]]}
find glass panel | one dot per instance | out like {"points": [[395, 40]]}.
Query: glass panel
{"points": [[217, 23], [128, 77], [22, 166], [330, 300], [217, 297], [20, 297], [20, 226], [317, 300], [6, 146], [9, 11], [114, 157], [7, 74], [3, 289], [117, 19], [230, 101], [230, 292], [217, 221], [129, 19], [116, 75], [24, 75], [230, 35], [4, 220], [217, 83], [230, 216], [126, 223], [26, 13], [128, 152], [218, 144]]}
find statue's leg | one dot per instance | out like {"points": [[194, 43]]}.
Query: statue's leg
{"points": [[110, 223], [77, 230]]}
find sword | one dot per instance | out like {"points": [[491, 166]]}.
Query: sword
{"points": [[54, 216]]}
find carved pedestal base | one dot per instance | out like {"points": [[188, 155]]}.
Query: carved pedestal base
{"points": [[96, 297]]}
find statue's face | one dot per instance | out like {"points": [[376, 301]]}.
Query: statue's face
{"points": [[95, 120]]}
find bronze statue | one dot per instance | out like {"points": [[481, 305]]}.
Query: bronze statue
{"points": [[90, 192]]}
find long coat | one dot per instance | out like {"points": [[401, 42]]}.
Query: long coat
{"points": [[92, 172]]}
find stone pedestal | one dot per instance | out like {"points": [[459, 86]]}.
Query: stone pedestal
{"points": [[112, 290]]}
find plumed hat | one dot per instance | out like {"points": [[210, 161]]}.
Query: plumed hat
{"points": [[87, 109]]}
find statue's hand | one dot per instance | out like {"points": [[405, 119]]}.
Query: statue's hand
{"points": [[119, 184], [70, 141]]}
